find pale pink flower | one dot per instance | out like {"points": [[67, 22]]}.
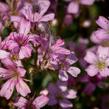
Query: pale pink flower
{"points": [[32, 14], [98, 62], [36, 12], [37, 103], [73, 6], [20, 44], [14, 76], [102, 34]]}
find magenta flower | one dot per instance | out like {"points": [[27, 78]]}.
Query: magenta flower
{"points": [[37, 103], [73, 6], [14, 76], [101, 35], [59, 96], [19, 43], [98, 62]]}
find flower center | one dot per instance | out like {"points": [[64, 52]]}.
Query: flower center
{"points": [[14, 57], [100, 65], [36, 8]]}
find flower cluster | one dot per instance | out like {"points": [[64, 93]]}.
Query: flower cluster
{"points": [[47, 59], [28, 49]]}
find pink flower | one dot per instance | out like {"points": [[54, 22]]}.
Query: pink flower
{"points": [[32, 14], [35, 12], [98, 62], [101, 35], [73, 7], [20, 44], [37, 103], [14, 76]]}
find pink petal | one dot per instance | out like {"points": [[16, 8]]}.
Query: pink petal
{"points": [[4, 54], [27, 11], [3, 72], [92, 70], [22, 71], [47, 17], [103, 52], [12, 45], [74, 71], [60, 50], [8, 63], [105, 72], [107, 61], [71, 94], [73, 8], [59, 42], [3, 7], [21, 102], [65, 104], [24, 27], [7, 89], [44, 92], [103, 22], [87, 2], [90, 57], [40, 101], [15, 19], [99, 36], [25, 52], [22, 87], [36, 17], [44, 5]]}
